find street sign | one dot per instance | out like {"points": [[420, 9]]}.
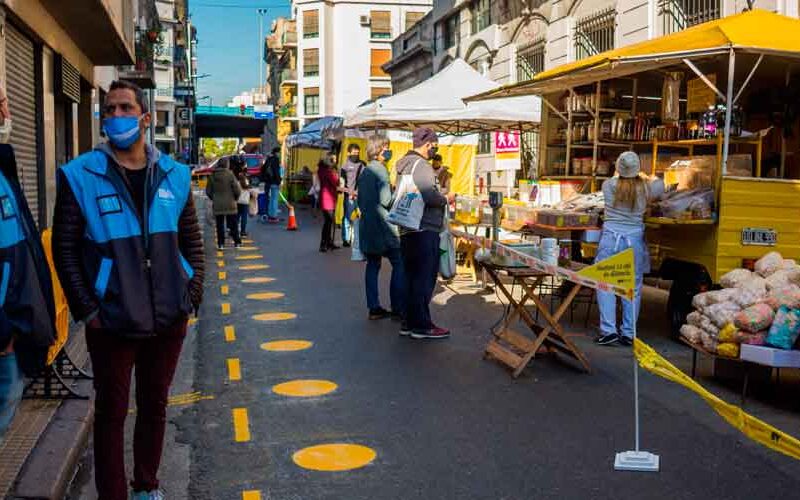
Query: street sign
{"points": [[263, 115], [184, 115]]}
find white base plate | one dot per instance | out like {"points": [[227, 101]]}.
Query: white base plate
{"points": [[639, 461]]}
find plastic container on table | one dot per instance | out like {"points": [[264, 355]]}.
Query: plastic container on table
{"points": [[468, 210]]}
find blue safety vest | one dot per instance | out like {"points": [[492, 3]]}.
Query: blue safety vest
{"points": [[140, 277]]}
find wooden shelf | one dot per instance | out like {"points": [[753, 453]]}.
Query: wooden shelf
{"points": [[668, 221]]}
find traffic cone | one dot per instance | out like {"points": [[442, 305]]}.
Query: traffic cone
{"points": [[292, 224]]}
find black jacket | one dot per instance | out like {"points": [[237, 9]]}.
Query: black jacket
{"points": [[139, 279], [271, 171], [27, 311]]}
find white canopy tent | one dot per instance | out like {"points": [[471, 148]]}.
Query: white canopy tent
{"points": [[437, 103]]}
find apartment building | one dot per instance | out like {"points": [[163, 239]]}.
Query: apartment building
{"points": [[163, 60], [412, 55], [342, 46], [49, 52]]}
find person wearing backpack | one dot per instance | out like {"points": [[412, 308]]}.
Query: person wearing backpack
{"points": [[420, 248]]}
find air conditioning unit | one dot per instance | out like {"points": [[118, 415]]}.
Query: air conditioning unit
{"points": [[365, 20]]}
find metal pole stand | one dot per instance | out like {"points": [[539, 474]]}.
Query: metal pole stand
{"points": [[636, 460]]}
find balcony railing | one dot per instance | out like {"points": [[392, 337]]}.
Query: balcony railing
{"points": [[165, 93], [141, 72], [677, 15]]}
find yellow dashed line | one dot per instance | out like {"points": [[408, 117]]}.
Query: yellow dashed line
{"points": [[230, 333], [226, 308], [224, 290], [265, 296], [254, 267], [258, 280], [241, 425], [222, 275], [220, 263], [234, 369], [247, 248], [286, 345], [249, 257], [251, 495], [220, 254], [276, 316]]}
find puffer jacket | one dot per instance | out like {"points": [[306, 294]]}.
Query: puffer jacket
{"points": [[27, 311], [224, 189], [139, 275]]}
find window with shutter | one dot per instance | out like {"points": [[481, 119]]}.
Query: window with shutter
{"points": [[412, 18], [310, 24], [310, 62], [311, 100], [380, 24], [377, 92], [378, 58]]}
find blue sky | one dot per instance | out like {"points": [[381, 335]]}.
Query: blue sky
{"points": [[228, 46]]}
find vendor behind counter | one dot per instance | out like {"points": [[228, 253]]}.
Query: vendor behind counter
{"points": [[626, 198]]}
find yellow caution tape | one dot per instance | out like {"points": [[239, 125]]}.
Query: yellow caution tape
{"points": [[750, 426]]}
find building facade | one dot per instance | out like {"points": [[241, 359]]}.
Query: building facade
{"points": [[412, 55], [49, 53], [342, 46], [512, 40], [281, 81]]}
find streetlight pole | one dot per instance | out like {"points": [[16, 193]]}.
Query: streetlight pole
{"points": [[261, 13]]}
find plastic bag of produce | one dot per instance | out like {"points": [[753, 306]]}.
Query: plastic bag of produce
{"points": [[783, 277], [723, 313], [692, 334], [747, 296], [788, 296], [705, 299], [736, 278], [754, 338], [755, 318], [709, 341], [728, 333], [768, 264], [694, 318], [728, 349], [785, 328]]}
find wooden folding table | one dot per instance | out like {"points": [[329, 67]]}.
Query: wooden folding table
{"points": [[515, 349]]}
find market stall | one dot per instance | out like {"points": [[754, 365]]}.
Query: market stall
{"points": [[707, 110]]}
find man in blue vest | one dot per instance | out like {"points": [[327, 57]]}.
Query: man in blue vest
{"points": [[27, 312], [129, 254]]}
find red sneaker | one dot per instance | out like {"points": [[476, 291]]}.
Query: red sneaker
{"points": [[431, 334]]}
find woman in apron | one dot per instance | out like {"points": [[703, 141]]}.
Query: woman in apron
{"points": [[626, 198]]}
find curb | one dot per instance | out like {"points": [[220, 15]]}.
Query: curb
{"points": [[52, 464]]}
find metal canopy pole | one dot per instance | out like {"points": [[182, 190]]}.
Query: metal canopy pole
{"points": [[705, 78], [783, 137], [747, 80], [728, 111]]}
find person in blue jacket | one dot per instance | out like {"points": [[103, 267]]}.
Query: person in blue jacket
{"points": [[129, 253], [27, 311]]}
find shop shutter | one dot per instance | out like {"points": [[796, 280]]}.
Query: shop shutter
{"points": [[67, 80], [310, 24], [310, 62], [378, 58], [412, 18], [380, 23], [22, 105]]}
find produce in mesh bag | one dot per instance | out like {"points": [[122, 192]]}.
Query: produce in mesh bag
{"points": [[728, 349], [728, 333], [783, 277], [785, 328], [788, 296], [692, 334], [709, 341], [746, 297], [789, 263], [723, 313], [705, 299], [702, 322], [694, 318], [754, 318], [736, 278], [768, 264]]}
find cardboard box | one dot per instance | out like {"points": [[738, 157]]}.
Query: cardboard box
{"points": [[770, 356]]}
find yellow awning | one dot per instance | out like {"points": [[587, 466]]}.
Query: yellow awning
{"points": [[756, 31]]}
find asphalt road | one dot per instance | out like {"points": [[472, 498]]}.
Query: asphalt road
{"points": [[443, 422]]}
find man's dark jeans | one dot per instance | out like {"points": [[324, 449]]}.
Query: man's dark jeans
{"points": [[421, 266], [113, 360], [397, 287], [233, 226]]}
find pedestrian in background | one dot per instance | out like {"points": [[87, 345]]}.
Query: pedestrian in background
{"points": [[421, 248], [129, 253], [377, 237], [243, 203], [328, 191], [351, 169], [224, 190], [626, 197], [271, 177], [443, 175], [27, 312]]}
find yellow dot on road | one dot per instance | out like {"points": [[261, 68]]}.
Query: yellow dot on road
{"points": [[245, 240], [249, 257], [305, 388], [277, 316], [265, 296], [224, 290], [254, 267], [258, 280], [286, 345], [334, 457], [230, 333], [226, 308], [247, 248], [251, 495], [220, 254], [222, 275], [220, 263]]}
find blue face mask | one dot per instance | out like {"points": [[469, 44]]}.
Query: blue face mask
{"points": [[122, 131], [387, 155]]}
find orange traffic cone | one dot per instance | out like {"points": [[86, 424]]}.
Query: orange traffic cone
{"points": [[292, 224]]}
